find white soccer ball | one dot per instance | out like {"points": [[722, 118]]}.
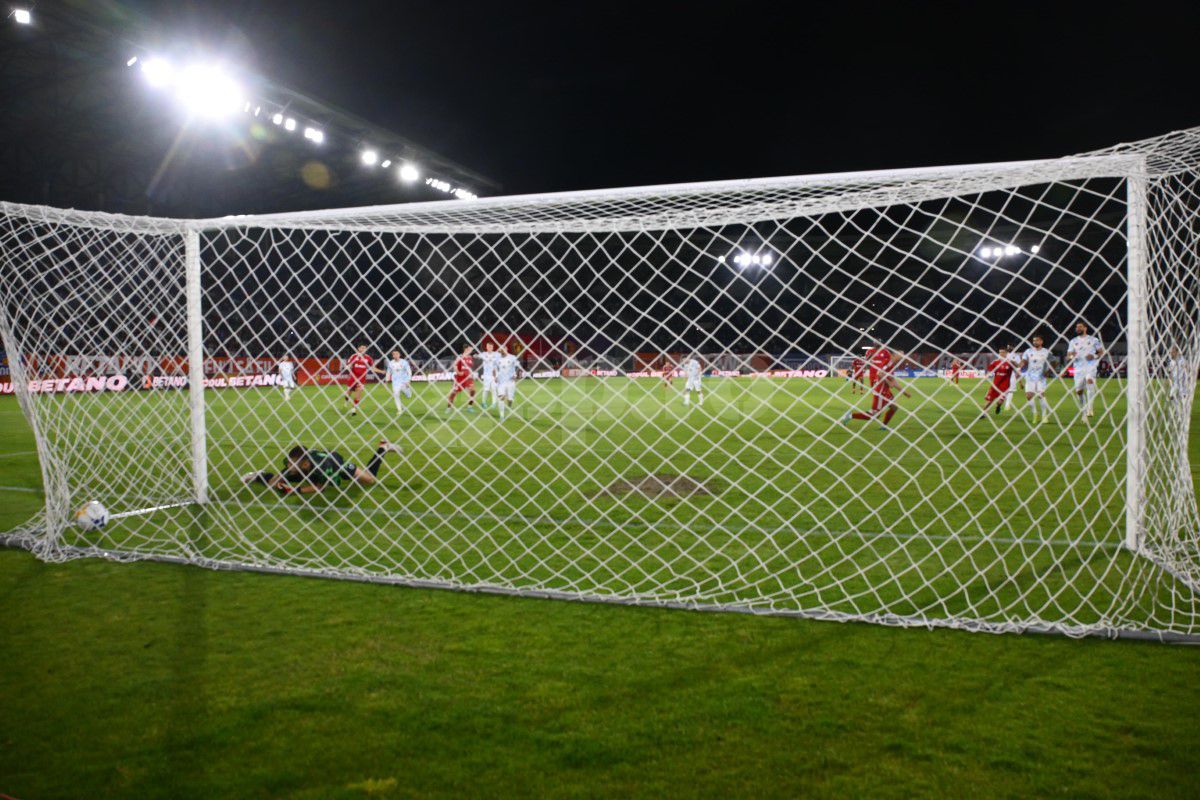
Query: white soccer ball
{"points": [[92, 517]]}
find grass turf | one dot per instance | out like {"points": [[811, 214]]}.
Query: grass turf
{"points": [[151, 679]]}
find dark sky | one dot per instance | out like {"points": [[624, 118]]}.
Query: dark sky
{"points": [[554, 95]]}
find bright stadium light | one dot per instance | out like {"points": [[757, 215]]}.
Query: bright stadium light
{"points": [[158, 72], [205, 90], [985, 252], [257, 109], [766, 260], [1011, 250], [1034, 249], [387, 163], [289, 124], [277, 119], [314, 135], [369, 157], [463, 194], [409, 173], [22, 16], [131, 61]]}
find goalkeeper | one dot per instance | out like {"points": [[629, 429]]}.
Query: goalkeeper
{"points": [[307, 470]]}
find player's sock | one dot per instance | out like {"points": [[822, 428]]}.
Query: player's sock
{"points": [[376, 460], [1091, 397], [686, 400], [887, 415], [699, 398]]}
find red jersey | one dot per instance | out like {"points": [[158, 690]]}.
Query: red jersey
{"points": [[1002, 370], [881, 362], [359, 365], [856, 367], [462, 367]]}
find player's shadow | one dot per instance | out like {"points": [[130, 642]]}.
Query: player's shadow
{"points": [[187, 719]]}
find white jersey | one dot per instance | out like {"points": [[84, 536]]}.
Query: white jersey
{"points": [[1084, 351], [287, 370], [691, 369], [488, 370], [1037, 359], [506, 369], [400, 371]]}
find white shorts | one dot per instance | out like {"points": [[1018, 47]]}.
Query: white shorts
{"points": [[287, 383], [489, 384], [506, 390], [404, 388], [1035, 386], [692, 385], [1084, 374]]}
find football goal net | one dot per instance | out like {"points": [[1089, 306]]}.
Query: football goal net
{"points": [[637, 395]]}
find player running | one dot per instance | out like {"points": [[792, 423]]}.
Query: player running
{"points": [[287, 376], [691, 372], [668, 371], [1001, 371], [506, 379], [487, 371], [307, 470], [358, 365], [464, 379], [956, 368], [1034, 363], [882, 366], [1083, 353], [857, 376], [399, 372], [1018, 377]]}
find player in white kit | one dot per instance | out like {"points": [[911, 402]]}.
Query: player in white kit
{"points": [[1014, 356], [1083, 353], [399, 372], [487, 370], [506, 379], [287, 376], [1035, 362], [691, 374]]}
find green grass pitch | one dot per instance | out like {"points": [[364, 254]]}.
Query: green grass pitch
{"points": [[159, 680]]}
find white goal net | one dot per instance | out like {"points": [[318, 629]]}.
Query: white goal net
{"points": [[671, 423]]}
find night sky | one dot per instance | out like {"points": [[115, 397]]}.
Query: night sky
{"points": [[555, 96]]}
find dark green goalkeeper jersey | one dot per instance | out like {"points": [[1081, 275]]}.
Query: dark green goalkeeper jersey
{"points": [[328, 466]]}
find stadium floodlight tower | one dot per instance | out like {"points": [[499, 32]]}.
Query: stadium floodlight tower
{"points": [[144, 352]]}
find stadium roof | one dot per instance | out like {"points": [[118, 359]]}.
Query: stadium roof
{"points": [[82, 129]]}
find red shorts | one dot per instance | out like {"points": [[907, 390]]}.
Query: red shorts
{"points": [[881, 397], [463, 384], [996, 390], [357, 381]]}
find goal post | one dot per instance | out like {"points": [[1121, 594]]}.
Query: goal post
{"points": [[644, 414]]}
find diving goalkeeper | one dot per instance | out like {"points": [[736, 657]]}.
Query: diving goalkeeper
{"points": [[307, 470]]}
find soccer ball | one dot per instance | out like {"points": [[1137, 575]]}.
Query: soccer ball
{"points": [[92, 517]]}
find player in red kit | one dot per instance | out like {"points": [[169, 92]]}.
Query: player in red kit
{"points": [[464, 379], [882, 365], [955, 368], [1001, 371], [358, 365], [668, 372], [857, 374]]}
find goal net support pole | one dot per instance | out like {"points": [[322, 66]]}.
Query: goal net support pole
{"points": [[195, 364], [1135, 363]]}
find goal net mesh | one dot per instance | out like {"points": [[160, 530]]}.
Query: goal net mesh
{"points": [[600, 482]]}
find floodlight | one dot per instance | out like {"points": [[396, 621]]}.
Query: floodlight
{"points": [[1035, 248], [315, 135], [766, 260], [386, 163], [22, 16], [277, 119], [755, 259], [1011, 250], [289, 124], [158, 72], [206, 91], [409, 173], [986, 252], [131, 61], [369, 157]]}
